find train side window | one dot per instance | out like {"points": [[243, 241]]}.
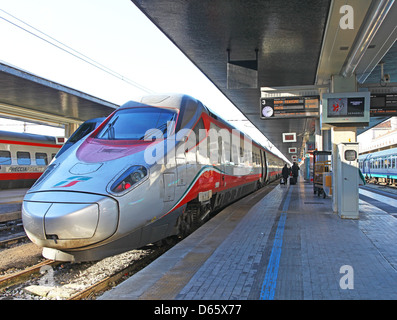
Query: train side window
{"points": [[199, 128], [41, 159], [23, 158], [5, 157]]}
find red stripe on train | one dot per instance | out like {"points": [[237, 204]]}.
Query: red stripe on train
{"points": [[20, 176], [34, 144]]}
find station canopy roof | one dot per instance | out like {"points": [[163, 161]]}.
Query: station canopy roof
{"points": [[26, 96], [292, 43]]}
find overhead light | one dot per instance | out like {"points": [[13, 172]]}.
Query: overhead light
{"points": [[373, 20]]}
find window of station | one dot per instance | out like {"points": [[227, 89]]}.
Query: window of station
{"points": [[41, 159], [23, 158], [5, 157]]}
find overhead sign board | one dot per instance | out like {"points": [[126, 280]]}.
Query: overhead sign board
{"points": [[290, 107], [383, 104], [289, 137], [344, 109]]}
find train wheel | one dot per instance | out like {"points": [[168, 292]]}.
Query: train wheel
{"points": [[184, 224]]}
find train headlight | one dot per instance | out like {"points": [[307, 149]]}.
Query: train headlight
{"points": [[129, 178]]}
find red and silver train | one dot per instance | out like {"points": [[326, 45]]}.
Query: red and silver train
{"points": [[24, 157], [151, 170]]}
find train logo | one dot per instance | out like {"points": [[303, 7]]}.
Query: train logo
{"points": [[71, 181]]}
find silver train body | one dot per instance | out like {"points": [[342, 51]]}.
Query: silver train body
{"points": [[151, 170]]}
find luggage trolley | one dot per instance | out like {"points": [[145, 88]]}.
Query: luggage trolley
{"points": [[322, 175]]}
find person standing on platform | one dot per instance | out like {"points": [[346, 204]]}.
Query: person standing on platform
{"points": [[285, 173], [295, 171]]}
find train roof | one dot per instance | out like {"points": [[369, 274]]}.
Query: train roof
{"points": [[26, 137], [172, 100], [382, 153], [178, 100]]}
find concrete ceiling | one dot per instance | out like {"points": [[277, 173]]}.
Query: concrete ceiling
{"points": [[299, 43]]}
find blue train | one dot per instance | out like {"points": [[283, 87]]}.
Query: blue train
{"points": [[380, 166]]}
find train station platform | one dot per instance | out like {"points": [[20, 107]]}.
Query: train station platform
{"points": [[11, 203], [281, 242]]}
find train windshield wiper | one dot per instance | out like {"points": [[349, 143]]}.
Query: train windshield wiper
{"points": [[148, 134], [110, 130]]}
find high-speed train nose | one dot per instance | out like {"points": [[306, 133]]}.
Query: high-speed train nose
{"points": [[67, 219]]}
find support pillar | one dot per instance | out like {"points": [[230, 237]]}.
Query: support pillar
{"points": [[340, 134], [70, 128]]}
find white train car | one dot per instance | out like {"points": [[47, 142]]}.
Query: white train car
{"points": [[24, 157]]}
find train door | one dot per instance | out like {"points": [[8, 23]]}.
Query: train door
{"points": [[263, 165], [180, 159], [169, 186], [181, 169]]}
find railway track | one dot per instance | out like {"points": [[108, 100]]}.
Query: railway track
{"points": [[383, 187], [21, 276], [6, 243], [117, 277], [11, 229], [33, 277], [49, 279]]}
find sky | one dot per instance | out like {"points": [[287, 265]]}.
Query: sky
{"points": [[115, 34]]}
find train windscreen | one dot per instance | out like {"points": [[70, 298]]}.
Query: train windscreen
{"points": [[138, 124]]}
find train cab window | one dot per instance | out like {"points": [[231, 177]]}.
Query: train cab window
{"points": [[41, 159], [23, 158], [199, 131], [5, 157], [138, 124]]}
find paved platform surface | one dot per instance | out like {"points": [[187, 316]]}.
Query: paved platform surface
{"points": [[278, 243]]}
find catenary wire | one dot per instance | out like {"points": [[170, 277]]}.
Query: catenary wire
{"points": [[73, 52]]}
